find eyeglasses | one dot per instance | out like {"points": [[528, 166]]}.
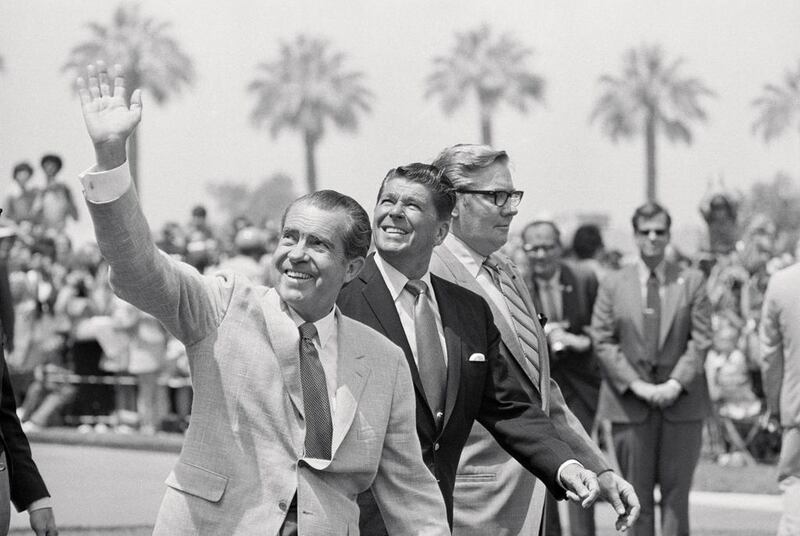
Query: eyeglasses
{"points": [[646, 232], [499, 197], [530, 248]]}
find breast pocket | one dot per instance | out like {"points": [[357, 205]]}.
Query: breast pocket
{"points": [[197, 481]]}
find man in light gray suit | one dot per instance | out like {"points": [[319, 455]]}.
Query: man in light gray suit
{"points": [[780, 365], [494, 494], [297, 408]]}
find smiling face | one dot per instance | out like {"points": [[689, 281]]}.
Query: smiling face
{"points": [[477, 221], [406, 227], [310, 258]]}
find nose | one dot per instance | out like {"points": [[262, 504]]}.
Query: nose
{"points": [[508, 210], [297, 252], [396, 210]]}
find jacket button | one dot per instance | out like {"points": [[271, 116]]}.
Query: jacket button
{"points": [[436, 446], [282, 505], [2, 467]]}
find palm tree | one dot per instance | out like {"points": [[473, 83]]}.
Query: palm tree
{"points": [[152, 59], [303, 89], [492, 69], [650, 96], [779, 107]]}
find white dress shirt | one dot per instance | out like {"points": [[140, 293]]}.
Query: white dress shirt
{"points": [[404, 303]]}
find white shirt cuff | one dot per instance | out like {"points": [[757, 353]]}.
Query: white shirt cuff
{"points": [[105, 186], [44, 502], [561, 468]]}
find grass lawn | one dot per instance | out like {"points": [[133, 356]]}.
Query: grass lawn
{"points": [[748, 479]]}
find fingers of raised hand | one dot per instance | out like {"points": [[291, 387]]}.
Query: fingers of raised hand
{"points": [[119, 83]]}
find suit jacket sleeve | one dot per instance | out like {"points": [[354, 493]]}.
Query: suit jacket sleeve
{"points": [[616, 366], [25, 481], [6, 307], [691, 363], [515, 418], [771, 338], [187, 303], [404, 488]]}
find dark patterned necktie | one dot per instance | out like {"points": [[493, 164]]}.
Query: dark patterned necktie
{"points": [[652, 318], [431, 363], [319, 428]]}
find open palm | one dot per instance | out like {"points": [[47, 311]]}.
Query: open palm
{"points": [[108, 116]]}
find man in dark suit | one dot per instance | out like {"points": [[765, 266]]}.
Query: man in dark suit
{"points": [[20, 481], [451, 343], [651, 329], [565, 294]]}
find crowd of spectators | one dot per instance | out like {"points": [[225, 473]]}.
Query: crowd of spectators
{"points": [[81, 356]]}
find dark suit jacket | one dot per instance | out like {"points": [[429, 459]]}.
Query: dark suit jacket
{"points": [[577, 373], [488, 391], [684, 339], [23, 476]]}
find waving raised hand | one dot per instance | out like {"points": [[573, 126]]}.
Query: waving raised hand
{"points": [[110, 118]]}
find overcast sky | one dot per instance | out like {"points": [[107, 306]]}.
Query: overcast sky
{"points": [[561, 161]]}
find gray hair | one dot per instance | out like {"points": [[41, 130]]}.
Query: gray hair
{"points": [[463, 161]]}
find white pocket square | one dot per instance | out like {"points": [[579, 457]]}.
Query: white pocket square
{"points": [[477, 357]]}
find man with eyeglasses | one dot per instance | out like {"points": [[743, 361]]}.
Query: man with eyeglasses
{"points": [[651, 329], [494, 494], [565, 293]]}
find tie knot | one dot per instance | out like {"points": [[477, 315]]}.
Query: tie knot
{"points": [[417, 287], [307, 330], [653, 276]]}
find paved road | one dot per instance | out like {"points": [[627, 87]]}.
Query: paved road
{"points": [[98, 487]]}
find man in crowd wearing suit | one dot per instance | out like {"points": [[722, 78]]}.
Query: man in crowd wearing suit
{"points": [[20, 481], [494, 494], [451, 344], [651, 329], [297, 409], [565, 293], [780, 367]]}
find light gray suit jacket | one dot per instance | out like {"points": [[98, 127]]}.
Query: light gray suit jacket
{"points": [[243, 457], [684, 339], [780, 345], [494, 494]]}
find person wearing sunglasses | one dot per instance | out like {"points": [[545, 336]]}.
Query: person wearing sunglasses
{"points": [[494, 494], [651, 329]]}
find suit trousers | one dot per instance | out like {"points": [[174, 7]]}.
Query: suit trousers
{"points": [[5, 496], [370, 521], [658, 451], [289, 527]]}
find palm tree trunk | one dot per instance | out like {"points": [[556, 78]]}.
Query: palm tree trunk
{"points": [[650, 157], [486, 128], [311, 165], [133, 159]]}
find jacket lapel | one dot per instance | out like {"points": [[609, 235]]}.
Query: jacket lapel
{"points": [[453, 342], [353, 371], [632, 294], [285, 341], [377, 296]]}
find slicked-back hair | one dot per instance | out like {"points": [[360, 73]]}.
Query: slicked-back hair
{"points": [[548, 223], [434, 179], [463, 161], [587, 241], [358, 232], [648, 211]]}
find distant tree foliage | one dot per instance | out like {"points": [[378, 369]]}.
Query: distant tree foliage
{"points": [[151, 58], [779, 199], [261, 203], [779, 107], [492, 68], [650, 96], [303, 89]]}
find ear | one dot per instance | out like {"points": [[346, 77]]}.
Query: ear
{"points": [[441, 231], [354, 267]]}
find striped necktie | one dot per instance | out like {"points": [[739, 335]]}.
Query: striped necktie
{"points": [[524, 327], [319, 426]]}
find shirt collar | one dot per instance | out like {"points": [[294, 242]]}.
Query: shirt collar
{"points": [[471, 259], [644, 271], [396, 280], [324, 325]]}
